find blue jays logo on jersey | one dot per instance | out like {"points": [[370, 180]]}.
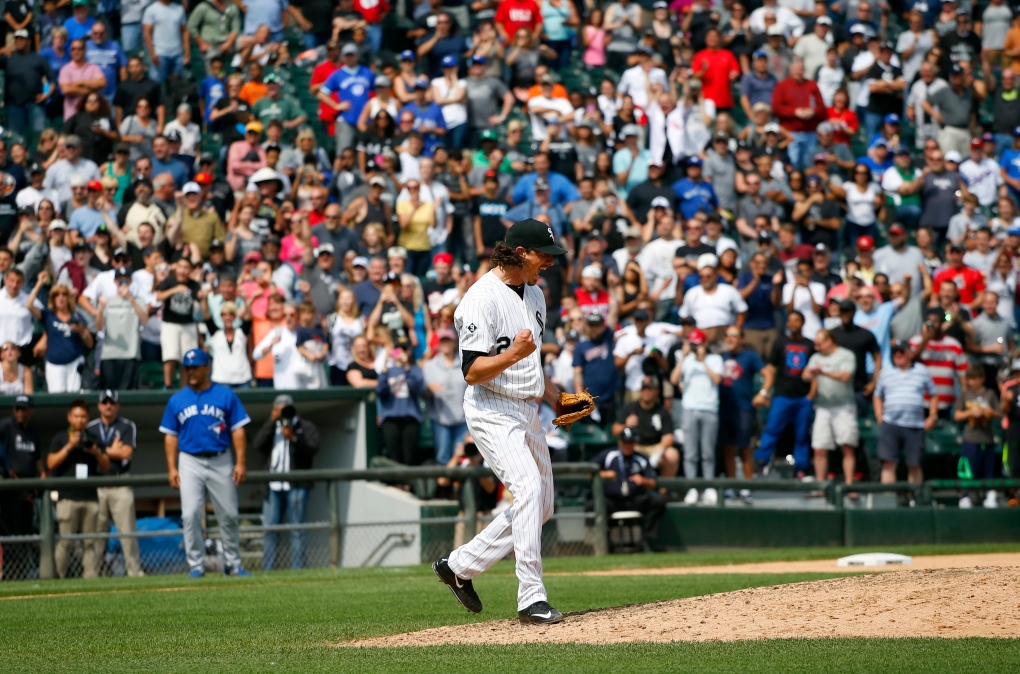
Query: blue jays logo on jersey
{"points": [[216, 428]]}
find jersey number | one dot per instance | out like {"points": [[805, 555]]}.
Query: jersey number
{"points": [[502, 344]]}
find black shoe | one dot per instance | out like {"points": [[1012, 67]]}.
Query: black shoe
{"points": [[462, 589], [539, 613]]}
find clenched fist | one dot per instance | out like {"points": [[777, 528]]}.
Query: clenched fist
{"points": [[524, 345]]}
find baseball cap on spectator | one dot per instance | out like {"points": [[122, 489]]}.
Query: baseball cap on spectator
{"points": [[697, 337], [349, 48], [694, 83], [821, 249], [896, 229], [72, 141], [594, 318], [660, 202], [541, 184], [450, 61], [824, 127], [478, 60], [108, 394], [774, 29], [765, 236], [58, 224], [120, 252], [694, 161], [819, 158], [324, 249], [391, 277], [957, 247], [203, 178], [846, 305], [707, 260], [640, 315], [902, 150], [760, 54], [632, 232], [963, 12], [661, 4], [879, 142], [1016, 132], [271, 78], [645, 50], [572, 336], [381, 81], [21, 33], [36, 168], [591, 271], [891, 118], [814, 179], [988, 137], [94, 186], [122, 277], [858, 29], [899, 346], [955, 69], [442, 258], [24, 402], [192, 188], [195, 358], [80, 245], [1012, 231], [253, 256], [953, 156], [377, 180], [360, 261], [406, 55], [421, 83], [888, 45], [823, 21], [207, 158], [271, 241], [254, 127], [657, 163], [446, 333], [771, 127], [976, 142], [630, 130], [173, 136], [865, 243], [396, 251], [651, 381]]}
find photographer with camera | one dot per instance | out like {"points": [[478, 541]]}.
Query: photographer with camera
{"points": [[73, 453], [288, 443]]}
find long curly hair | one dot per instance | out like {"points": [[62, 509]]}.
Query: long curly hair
{"points": [[505, 255]]}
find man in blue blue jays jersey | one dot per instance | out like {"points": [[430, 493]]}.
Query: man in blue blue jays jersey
{"points": [[200, 423], [694, 193]]}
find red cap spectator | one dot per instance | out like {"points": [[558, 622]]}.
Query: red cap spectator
{"points": [[442, 258], [203, 178], [865, 243], [94, 186], [697, 337]]}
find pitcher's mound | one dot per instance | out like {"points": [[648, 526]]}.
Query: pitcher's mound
{"points": [[976, 602]]}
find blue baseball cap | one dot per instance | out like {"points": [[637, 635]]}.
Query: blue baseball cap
{"points": [[891, 118], [407, 55], [760, 54], [421, 83], [879, 142], [195, 358], [478, 60], [1013, 231], [1016, 132], [694, 161], [450, 61]]}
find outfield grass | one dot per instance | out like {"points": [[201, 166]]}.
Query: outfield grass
{"points": [[291, 621]]}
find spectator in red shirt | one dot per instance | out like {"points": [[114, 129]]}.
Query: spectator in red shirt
{"points": [[969, 281], [789, 251], [799, 107], [717, 69], [590, 295], [373, 12], [319, 76], [512, 15]]}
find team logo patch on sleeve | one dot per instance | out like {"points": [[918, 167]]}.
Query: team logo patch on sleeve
{"points": [[471, 328]]}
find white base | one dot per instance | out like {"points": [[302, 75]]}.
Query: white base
{"points": [[874, 559]]}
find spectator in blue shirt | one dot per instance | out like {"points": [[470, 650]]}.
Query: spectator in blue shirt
{"points": [[79, 24], [108, 55], [213, 87], [428, 117], [163, 162], [878, 159], [1010, 163], [59, 53], [694, 193], [595, 368], [353, 85], [87, 219], [561, 189], [736, 392], [445, 40], [270, 13], [757, 84], [762, 293], [540, 205]]}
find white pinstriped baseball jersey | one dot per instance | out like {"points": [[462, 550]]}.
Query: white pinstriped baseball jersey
{"points": [[487, 320]]}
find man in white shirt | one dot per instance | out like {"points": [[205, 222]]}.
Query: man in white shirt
{"points": [[787, 19], [281, 342], [982, 175], [714, 306], [813, 47], [805, 296], [545, 106], [638, 81], [656, 261], [15, 319], [920, 92], [105, 285], [35, 192]]}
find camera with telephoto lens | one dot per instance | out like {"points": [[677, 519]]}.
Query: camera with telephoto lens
{"points": [[87, 443], [288, 415]]}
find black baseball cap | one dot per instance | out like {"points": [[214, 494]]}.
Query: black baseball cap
{"points": [[899, 345], [847, 305], [24, 402], [391, 278], [628, 434], [109, 394], [534, 235]]}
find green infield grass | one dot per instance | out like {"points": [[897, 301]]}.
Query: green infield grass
{"points": [[292, 622]]}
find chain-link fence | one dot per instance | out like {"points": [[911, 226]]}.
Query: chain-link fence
{"points": [[284, 546]]}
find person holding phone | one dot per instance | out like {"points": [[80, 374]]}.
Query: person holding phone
{"points": [[400, 389]]}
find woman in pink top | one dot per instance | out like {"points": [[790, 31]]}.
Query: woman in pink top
{"points": [[594, 39], [300, 239]]}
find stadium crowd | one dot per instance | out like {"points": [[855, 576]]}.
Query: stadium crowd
{"points": [[820, 193]]}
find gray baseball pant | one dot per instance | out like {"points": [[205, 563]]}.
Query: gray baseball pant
{"points": [[214, 474]]}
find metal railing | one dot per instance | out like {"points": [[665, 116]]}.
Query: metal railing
{"points": [[565, 473]]}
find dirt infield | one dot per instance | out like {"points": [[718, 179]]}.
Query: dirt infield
{"points": [[970, 602]]}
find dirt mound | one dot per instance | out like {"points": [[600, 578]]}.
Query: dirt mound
{"points": [[975, 602]]}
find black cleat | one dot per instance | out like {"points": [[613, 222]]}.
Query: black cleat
{"points": [[462, 589], [539, 613]]}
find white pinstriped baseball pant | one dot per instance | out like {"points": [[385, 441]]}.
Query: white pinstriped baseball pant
{"points": [[509, 437]]}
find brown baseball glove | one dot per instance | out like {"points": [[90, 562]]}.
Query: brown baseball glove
{"points": [[574, 407]]}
